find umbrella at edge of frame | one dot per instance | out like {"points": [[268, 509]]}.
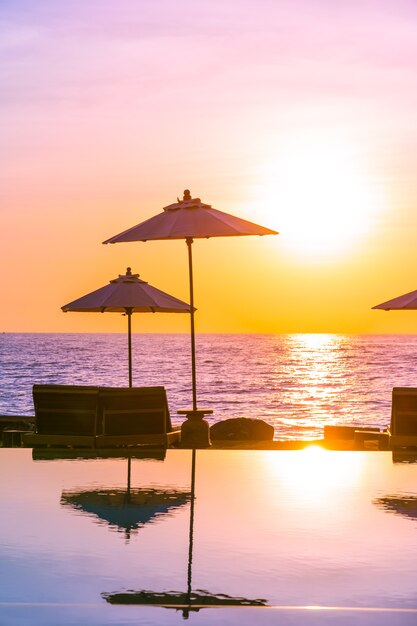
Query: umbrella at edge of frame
{"points": [[406, 302]]}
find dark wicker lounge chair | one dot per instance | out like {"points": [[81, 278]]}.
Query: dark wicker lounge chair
{"points": [[82, 416], [403, 427], [135, 416], [65, 415]]}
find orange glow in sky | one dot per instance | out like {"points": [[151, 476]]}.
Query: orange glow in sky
{"points": [[295, 115]]}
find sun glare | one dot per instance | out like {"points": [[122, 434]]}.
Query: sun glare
{"points": [[315, 474], [322, 198]]}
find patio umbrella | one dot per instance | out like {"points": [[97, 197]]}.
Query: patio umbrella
{"points": [[127, 509], [128, 294], [181, 601], [406, 302], [190, 219]]}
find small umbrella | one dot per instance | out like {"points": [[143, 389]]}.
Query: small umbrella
{"points": [[190, 219], [127, 509], [128, 294]]}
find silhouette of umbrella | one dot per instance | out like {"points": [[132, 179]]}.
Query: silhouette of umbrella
{"points": [[190, 219], [128, 294], [401, 505], [127, 509], [183, 600], [406, 302]]}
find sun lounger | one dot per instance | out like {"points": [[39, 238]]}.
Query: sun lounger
{"points": [[65, 415], [135, 416], [104, 417], [403, 427]]}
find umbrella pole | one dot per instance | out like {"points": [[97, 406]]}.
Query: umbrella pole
{"points": [[129, 342], [189, 242]]}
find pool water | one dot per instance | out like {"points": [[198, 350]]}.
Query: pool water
{"points": [[288, 537]]}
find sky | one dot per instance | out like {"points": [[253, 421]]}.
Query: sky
{"points": [[295, 114]]}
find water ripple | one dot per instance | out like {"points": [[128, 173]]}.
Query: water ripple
{"points": [[295, 382]]}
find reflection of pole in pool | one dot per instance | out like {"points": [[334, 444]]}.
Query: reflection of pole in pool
{"points": [[185, 612], [127, 494], [129, 468]]}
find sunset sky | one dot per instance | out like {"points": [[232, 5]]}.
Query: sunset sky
{"points": [[299, 115]]}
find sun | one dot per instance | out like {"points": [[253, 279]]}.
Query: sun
{"points": [[323, 199]]}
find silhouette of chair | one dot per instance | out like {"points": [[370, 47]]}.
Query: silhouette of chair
{"points": [[135, 416], [65, 415], [403, 426], [82, 416]]}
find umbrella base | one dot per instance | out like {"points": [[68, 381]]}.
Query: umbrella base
{"points": [[195, 431]]}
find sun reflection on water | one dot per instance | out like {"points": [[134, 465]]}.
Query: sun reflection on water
{"points": [[315, 475], [315, 373], [298, 383], [316, 340]]}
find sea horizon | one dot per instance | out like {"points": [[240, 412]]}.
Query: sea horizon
{"points": [[185, 334]]}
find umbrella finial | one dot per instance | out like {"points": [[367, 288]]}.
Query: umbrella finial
{"points": [[128, 271], [187, 195]]}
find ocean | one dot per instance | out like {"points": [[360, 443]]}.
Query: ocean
{"points": [[298, 383]]}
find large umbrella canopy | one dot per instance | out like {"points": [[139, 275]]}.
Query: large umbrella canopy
{"points": [[128, 294], [194, 601], [190, 219], [408, 301]]}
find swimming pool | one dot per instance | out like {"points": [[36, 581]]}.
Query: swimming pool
{"points": [[287, 537]]}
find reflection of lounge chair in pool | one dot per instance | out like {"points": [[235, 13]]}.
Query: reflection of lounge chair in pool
{"points": [[80, 416], [403, 427]]}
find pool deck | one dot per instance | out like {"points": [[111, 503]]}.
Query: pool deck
{"points": [[334, 437]]}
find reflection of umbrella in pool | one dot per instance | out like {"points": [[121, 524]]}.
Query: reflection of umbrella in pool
{"points": [[123, 510], [128, 294], [190, 219], [126, 509], [401, 504], [181, 600]]}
